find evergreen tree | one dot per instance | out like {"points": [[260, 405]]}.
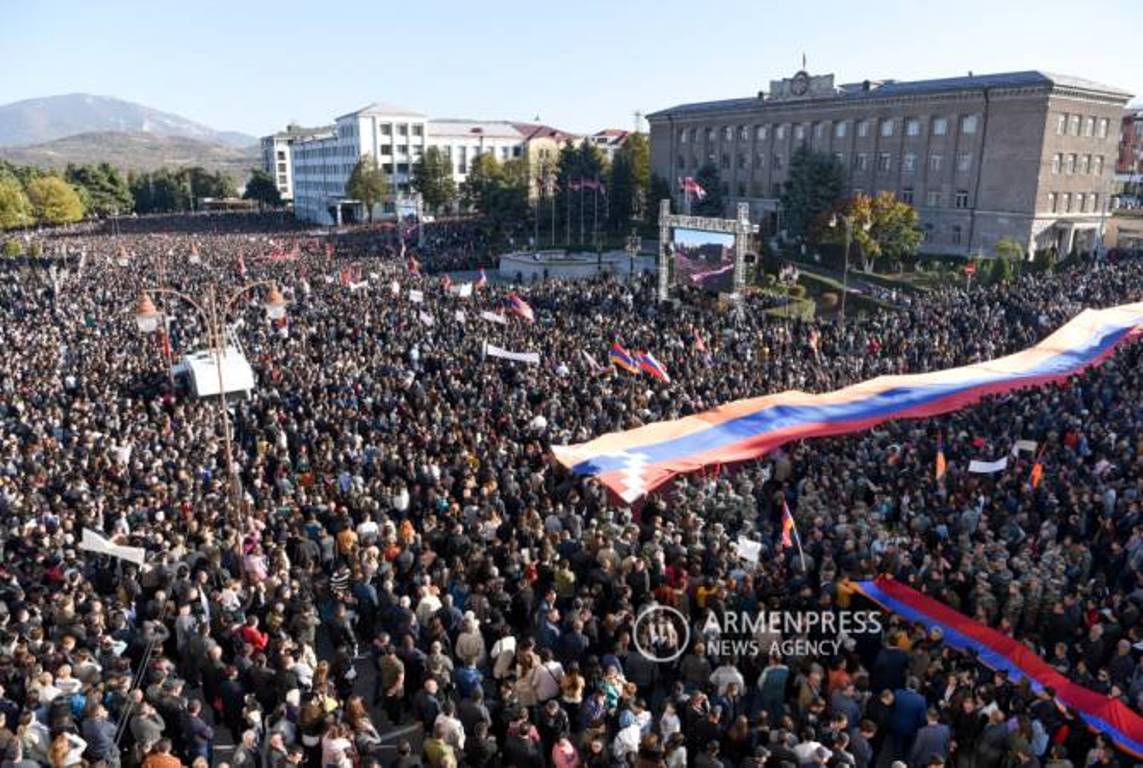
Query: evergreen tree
{"points": [[712, 204], [432, 177], [262, 188], [815, 185]]}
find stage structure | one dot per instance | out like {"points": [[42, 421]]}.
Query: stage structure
{"points": [[703, 252]]}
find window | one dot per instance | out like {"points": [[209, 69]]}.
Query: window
{"points": [[1089, 127], [909, 162], [504, 153], [935, 162], [839, 130], [777, 162], [281, 167], [418, 130], [912, 127], [725, 187], [780, 133], [761, 133], [799, 132], [282, 179], [403, 129], [760, 160], [724, 161], [1052, 202], [1103, 127], [940, 126], [694, 135], [1066, 202], [886, 128], [682, 135], [863, 128], [1095, 201], [964, 162], [968, 124], [1084, 163], [402, 167], [741, 160], [933, 199], [1097, 165], [860, 161], [709, 134], [885, 162], [281, 155], [1061, 125], [741, 189], [1074, 125], [1057, 161], [1071, 167], [961, 200], [681, 162], [839, 157], [728, 133], [928, 233], [819, 130], [907, 195], [743, 133], [955, 234], [388, 168]]}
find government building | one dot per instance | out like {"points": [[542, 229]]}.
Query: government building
{"points": [[1023, 155]]}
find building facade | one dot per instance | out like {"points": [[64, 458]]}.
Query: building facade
{"points": [[321, 162], [276, 159], [1022, 155]]}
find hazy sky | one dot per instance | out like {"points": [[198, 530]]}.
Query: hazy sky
{"points": [[253, 66]]}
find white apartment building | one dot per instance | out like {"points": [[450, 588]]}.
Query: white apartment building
{"points": [[462, 141], [276, 158]]}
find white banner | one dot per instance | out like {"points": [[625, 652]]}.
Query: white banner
{"points": [[749, 550], [1028, 446], [460, 316], [464, 290], [395, 288], [93, 542], [426, 318], [988, 467], [521, 357], [492, 317], [416, 296]]}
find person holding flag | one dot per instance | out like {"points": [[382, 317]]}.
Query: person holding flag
{"points": [[623, 359], [790, 535], [521, 308], [648, 363], [482, 280]]}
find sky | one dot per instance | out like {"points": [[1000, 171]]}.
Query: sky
{"points": [[253, 66]]}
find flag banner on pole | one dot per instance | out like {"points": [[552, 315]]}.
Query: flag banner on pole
{"points": [[521, 308], [648, 363], [942, 465], [1028, 446], [464, 290], [492, 317], [591, 361], [692, 187], [532, 358], [622, 358], [482, 280], [416, 296], [998, 651], [635, 462], [426, 318]]}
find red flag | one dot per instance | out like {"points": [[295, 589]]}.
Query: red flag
{"points": [[789, 530], [521, 308], [942, 466]]}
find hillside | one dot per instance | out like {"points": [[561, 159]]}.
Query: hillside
{"points": [[37, 121], [135, 151]]}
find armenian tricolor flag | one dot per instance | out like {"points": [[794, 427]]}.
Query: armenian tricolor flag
{"points": [[521, 308], [637, 461], [622, 358], [1001, 652], [648, 363], [942, 466]]}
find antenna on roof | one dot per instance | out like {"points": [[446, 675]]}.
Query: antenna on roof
{"points": [[638, 117], [803, 61]]}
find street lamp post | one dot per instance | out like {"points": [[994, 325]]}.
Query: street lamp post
{"points": [[212, 310], [845, 220], [632, 252]]}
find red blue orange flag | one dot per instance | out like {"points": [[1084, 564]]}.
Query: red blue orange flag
{"points": [[622, 358], [648, 363], [521, 308]]}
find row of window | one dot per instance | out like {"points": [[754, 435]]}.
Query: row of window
{"points": [[1082, 164], [1071, 125], [403, 129], [1079, 202], [913, 126], [933, 198], [885, 161], [955, 232]]}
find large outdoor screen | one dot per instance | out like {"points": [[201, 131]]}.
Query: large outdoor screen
{"points": [[704, 260]]}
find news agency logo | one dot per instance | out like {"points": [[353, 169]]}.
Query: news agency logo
{"points": [[662, 633]]}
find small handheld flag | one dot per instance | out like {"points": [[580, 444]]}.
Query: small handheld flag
{"points": [[942, 466], [648, 363], [790, 535], [622, 358], [482, 280], [521, 308]]}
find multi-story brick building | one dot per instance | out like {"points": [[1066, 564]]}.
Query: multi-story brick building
{"points": [[1023, 155]]}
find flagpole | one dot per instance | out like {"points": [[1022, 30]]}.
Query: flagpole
{"points": [[553, 196], [595, 214], [581, 211], [567, 219], [798, 541]]}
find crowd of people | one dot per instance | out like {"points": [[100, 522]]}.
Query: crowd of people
{"points": [[405, 577]]}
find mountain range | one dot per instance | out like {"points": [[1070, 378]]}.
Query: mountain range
{"points": [[53, 131]]}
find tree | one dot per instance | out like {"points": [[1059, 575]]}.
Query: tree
{"points": [[368, 184], [54, 201], [712, 204], [630, 182], [1009, 248], [815, 185], [659, 190], [432, 177], [577, 164], [15, 209], [484, 175], [262, 188], [161, 191], [883, 229], [104, 190]]}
